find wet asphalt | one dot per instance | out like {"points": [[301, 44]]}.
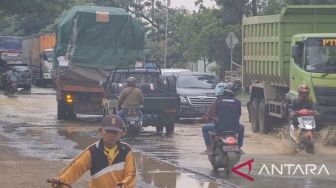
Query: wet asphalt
{"points": [[29, 121]]}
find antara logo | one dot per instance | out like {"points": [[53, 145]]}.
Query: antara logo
{"points": [[249, 165], [294, 169]]}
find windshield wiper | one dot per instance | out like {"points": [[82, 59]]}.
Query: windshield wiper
{"points": [[329, 70]]}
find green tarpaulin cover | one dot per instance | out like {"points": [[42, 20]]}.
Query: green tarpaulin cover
{"points": [[99, 37]]}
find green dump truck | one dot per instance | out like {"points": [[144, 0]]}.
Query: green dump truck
{"points": [[90, 42], [282, 51]]}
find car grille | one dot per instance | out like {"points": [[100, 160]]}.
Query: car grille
{"points": [[201, 101], [326, 95]]}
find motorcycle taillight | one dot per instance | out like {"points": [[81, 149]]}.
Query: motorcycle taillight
{"points": [[231, 140]]}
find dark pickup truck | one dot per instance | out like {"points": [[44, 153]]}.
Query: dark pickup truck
{"points": [[161, 107]]}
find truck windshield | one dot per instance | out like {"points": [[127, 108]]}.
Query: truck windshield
{"points": [[48, 56], [197, 81], [21, 68], [11, 57], [320, 55]]}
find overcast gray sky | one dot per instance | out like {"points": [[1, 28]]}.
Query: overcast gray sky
{"points": [[190, 4]]}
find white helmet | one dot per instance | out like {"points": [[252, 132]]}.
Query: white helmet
{"points": [[223, 88]]}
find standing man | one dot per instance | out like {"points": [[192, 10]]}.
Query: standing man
{"points": [[110, 161]]}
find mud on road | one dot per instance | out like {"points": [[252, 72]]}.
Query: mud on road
{"points": [[35, 145]]}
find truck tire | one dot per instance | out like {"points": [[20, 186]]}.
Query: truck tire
{"points": [[61, 113], [34, 81], [263, 118], [43, 82], [254, 116], [170, 128], [159, 128], [171, 83]]}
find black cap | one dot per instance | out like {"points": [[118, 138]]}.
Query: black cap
{"points": [[113, 123]]}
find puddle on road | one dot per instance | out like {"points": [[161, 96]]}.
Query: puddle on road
{"points": [[158, 174], [151, 171]]}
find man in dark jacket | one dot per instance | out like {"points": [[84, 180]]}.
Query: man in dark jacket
{"points": [[302, 102], [225, 111]]}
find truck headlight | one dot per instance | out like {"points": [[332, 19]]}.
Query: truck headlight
{"points": [[183, 100]]}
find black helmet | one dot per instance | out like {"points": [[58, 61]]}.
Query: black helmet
{"points": [[131, 81]]}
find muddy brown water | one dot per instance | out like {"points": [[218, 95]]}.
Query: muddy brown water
{"points": [[29, 121]]}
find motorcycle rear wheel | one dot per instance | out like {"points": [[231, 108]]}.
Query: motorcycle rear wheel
{"points": [[309, 147]]}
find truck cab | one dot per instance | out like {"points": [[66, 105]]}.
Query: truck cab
{"points": [[314, 63], [47, 63], [282, 51]]}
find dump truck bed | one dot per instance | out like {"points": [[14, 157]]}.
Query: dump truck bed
{"points": [[267, 40]]}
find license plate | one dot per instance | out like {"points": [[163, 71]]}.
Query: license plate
{"points": [[202, 109], [89, 108], [231, 148]]}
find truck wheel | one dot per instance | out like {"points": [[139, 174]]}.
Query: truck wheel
{"points": [[61, 113], [254, 116], [34, 81], [170, 128], [159, 128], [43, 83], [263, 118]]}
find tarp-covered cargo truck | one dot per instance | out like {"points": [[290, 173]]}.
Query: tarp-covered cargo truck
{"points": [[38, 53], [283, 51], [90, 42]]}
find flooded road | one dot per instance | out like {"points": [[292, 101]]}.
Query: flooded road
{"points": [[29, 123]]}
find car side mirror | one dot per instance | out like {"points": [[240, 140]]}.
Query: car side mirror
{"points": [[297, 53]]}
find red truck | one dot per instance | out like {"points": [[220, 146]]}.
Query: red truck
{"points": [[91, 41]]}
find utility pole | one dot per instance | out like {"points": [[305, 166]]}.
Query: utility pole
{"points": [[165, 54]]}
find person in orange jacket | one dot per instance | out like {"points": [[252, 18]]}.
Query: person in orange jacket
{"points": [[110, 161]]}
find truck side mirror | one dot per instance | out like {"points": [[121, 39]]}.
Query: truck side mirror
{"points": [[297, 53]]}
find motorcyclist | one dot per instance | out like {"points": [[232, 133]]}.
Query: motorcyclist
{"points": [[130, 97], [225, 112], [12, 77], [303, 101]]}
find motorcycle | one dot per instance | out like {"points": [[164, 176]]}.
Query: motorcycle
{"points": [[302, 134], [12, 87], [133, 122], [226, 152]]}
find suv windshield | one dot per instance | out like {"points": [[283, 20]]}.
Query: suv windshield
{"points": [[197, 81], [320, 55]]}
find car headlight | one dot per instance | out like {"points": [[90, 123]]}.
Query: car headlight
{"points": [[183, 99]]}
